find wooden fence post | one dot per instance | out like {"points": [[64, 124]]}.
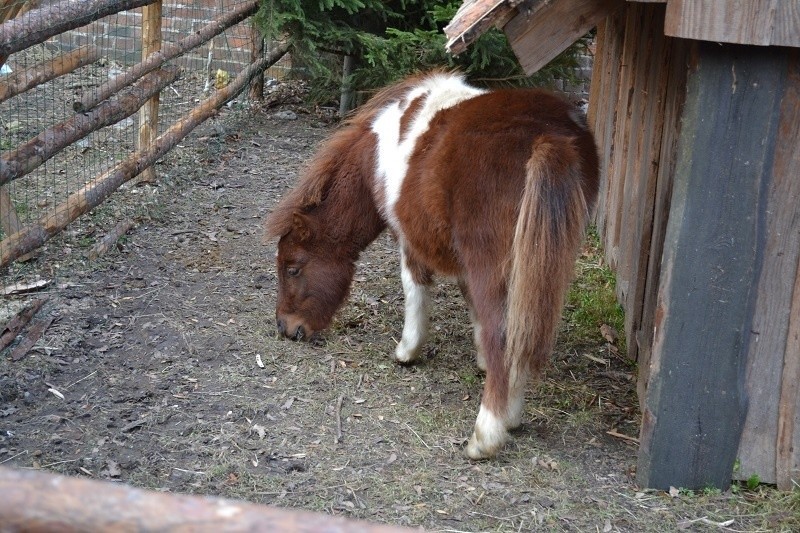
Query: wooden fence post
{"points": [[148, 115]]}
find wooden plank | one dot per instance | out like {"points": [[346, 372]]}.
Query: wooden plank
{"points": [[602, 109], [540, 34], [148, 114], [695, 407], [647, 123], [673, 98], [787, 464], [771, 321], [758, 22], [474, 18]]}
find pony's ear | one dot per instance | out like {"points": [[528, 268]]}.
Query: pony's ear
{"points": [[301, 226]]}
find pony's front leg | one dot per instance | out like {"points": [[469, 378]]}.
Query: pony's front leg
{"points": [[417, 303]]}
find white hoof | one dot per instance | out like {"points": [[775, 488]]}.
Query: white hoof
{"points": [[489, 437], [406, 355]]}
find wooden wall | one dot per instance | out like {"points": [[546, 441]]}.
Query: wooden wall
{"points": [[699, 145]]}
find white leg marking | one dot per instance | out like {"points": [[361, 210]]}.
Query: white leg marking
{"points": [[480, 357], [517, 383], [415, 327], [489, 436]]}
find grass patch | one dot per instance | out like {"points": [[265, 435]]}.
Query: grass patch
{"points": [[592, 300]]}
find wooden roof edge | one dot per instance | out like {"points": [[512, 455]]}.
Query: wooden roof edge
{"points": [[474, 18]]}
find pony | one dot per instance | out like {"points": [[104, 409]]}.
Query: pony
{"points": [[492, 188]]}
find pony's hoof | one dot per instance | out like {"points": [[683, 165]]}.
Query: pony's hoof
{"points": [[489, 436], [477, 450], [406, 356]]}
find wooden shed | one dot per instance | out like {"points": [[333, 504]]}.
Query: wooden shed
{"points": [[695, 105]]}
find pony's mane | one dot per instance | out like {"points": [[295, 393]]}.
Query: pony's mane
{"points": [[331, 157]]}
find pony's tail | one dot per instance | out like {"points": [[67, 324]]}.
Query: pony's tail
{"points": [[549, 231]]}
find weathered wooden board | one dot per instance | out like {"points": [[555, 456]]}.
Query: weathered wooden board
{"points": [[772, 371], [758, 22], [695, 404], [550, 28]]}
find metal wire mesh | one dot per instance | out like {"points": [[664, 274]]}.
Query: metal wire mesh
{"points": [[118, 38]]}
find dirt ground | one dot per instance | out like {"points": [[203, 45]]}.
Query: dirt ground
{"points": [[173, 379]]}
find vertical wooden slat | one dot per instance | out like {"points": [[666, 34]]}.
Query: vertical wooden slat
{"points": [[787, 463], [148, 115], [695, 404], [673, 104]]}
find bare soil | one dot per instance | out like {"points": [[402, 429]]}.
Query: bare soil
{"points": [[173, 378]]}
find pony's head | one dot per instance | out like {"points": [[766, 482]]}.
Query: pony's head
{"points": [[313, 275]]}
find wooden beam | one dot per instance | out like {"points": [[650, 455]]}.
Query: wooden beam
{"points": [[539, 35], [696, 403], [39, 502], [474, 18], [41, 24], [758, 22]]}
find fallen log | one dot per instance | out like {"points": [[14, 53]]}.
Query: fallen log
{"points": [[15, 326], [40, 24], [167, 52], [38, 502], [26, 157], [23, 80], [80, 202], [110, 239]]}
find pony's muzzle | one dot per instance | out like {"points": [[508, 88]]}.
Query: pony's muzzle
{"points": [[294, 332]]}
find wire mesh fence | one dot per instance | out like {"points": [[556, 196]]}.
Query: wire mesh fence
{"points": [[89, 56]]}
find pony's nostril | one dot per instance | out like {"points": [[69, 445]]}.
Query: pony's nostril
{"points": [[281, 327], [300, 333]]}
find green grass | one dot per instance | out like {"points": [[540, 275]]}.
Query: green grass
{"points": [[592, 300]]}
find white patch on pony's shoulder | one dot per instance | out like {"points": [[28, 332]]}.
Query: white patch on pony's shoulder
{"points": [[441, 91]]}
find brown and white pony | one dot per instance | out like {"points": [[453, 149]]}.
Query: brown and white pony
{"points": [[493, 188]]}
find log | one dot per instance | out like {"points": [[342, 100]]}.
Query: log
{"points": [[23, 80], [11, 9], [45, 22], [38, 502], [26, 157], [15, 326], [169, 51], [80, 202], [110, 239]]}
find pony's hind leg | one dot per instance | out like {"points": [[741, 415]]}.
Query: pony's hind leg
{"points": [[480, 357], [417, 302]]}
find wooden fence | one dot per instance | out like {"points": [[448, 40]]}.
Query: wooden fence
{"points": [[109, 103]]}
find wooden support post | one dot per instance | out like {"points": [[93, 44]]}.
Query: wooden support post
{"points": [[346, 98], [695, 404], [148, 114], [256, 93]]}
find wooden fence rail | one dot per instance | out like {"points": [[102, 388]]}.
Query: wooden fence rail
{"points": [[34, 235], [38, 25], [37, 502]]}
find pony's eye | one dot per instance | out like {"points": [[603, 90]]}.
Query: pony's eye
{"points": [[293, 271]]}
